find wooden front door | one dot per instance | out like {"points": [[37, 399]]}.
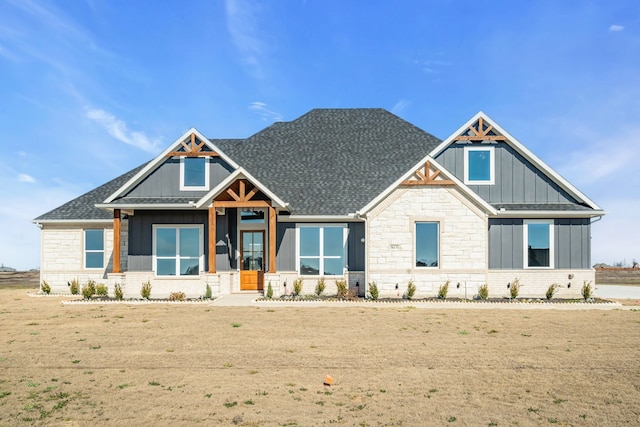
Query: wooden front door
{"points": [[252, 260]]}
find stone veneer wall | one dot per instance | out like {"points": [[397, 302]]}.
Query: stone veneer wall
{"points": [[536, 282], [391, 242]]}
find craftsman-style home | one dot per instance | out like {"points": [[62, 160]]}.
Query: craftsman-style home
{"points": [[353, 194]]}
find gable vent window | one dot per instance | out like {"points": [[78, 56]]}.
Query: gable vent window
{"points": [[479, 165], [194, 173]]}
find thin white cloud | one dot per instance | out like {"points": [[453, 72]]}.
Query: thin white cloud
{"points": [[242, 23], [118, 129], [616, 28], [267, 115], [23, 177], [400, 106]]}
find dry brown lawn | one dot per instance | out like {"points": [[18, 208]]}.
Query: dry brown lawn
{"points": [[196, 364]]}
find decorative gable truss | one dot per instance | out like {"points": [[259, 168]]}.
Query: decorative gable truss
{"points": [[480, 131], [427, 176], [194, 148]]}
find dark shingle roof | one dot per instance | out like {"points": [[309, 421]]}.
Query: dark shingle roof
{"points": [[331, 161], [83, 207]]}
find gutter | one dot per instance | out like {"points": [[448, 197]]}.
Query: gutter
{"points": [[549, 214]]}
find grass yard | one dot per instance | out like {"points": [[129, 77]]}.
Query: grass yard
{"points": [[196, 364]]}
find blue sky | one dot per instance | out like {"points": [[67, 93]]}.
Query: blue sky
{"points": [[90, 89]]}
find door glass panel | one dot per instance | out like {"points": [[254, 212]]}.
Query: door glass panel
{"points": [[252, 251], [189, 242]]}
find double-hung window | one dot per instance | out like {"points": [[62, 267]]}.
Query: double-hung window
{"points": [[427, 240], [94, 248], [479, 165], [321, 250], [194, 173], [178, 250], [538, 241]]}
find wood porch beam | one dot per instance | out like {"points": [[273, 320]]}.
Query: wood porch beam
{"points": [[212, 238], [272, 240], [116, 241], [192, 154], [243, 204], [233, 194]]}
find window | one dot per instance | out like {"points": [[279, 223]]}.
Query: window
{"points": [[538, 238], [321, 250], [252, 217], [479, 165], [93, 248], [194, 173], [427, 243], [178, 250]]}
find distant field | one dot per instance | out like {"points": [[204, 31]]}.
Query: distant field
{"points": [[197, 364], [21, 279]]}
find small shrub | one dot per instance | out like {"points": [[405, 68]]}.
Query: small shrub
{"points": [[45, 287], [207, 292], [89, 289], [102, 290], [514, 290], [343, 290], [483, 292], [145, 291], [117, 291], [411, 290], [587, 290], [297, 286], [443, 290], [320, 286], [74, 287], [269, 291], [373, 290], [551, 290], [175, 296]]}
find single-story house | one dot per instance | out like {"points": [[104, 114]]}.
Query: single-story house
{"points": [[346, 194]]}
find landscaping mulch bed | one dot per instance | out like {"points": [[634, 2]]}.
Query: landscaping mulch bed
{"points": [[334, 298]]}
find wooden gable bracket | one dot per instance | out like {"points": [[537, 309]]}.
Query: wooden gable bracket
{"points": [[193, 149], [480, 134], [244, 196], [427, 177]]}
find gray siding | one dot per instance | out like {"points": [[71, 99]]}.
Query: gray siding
{"points": [[516, 179], [165, 181], [286, 246], [355, 247], [572, 243]]}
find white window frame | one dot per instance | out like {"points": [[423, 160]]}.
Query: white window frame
{"points": [[525, 243], [321, 256], [492, 165], [415, 242], [204, 187], [200, 228], [85, 250]]}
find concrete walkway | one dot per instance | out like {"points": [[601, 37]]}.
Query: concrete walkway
{"points": [[618, 291]]}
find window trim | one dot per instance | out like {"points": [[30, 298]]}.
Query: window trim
{"points": [[201, 265], [525, 243], [492, 167], [85, 250], [204, 187], [321, 256], [415, 243]]}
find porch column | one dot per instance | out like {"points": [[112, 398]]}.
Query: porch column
{"points": [[272, 239], [212, 238], [116, 241]]}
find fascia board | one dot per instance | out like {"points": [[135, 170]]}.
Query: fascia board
{"points": [[149, 206], [151, 166], [550, 214], [320, 218], [72, 221]]}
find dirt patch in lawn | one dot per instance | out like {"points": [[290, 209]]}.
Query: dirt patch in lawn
{"points": [[182, 365]]}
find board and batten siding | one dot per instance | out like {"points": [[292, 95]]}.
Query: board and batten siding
{"points": [[516, 179], [572, 243], [165, 180]]}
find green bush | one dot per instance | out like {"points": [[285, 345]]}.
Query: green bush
{"points": [[297, 286], [514, 289], [269, 291], [411, 290], [320, 286], [173, 296], [102, 290], [117, 291], [587, 290], [45, 287], [89, 289], [443, 290], [373, 290], [551, 290], [343, 289], [74, 287], [145, 291], [207, 293], [483, 292]]}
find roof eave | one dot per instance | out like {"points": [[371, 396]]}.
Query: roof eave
{"points": [[549, 214]]}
